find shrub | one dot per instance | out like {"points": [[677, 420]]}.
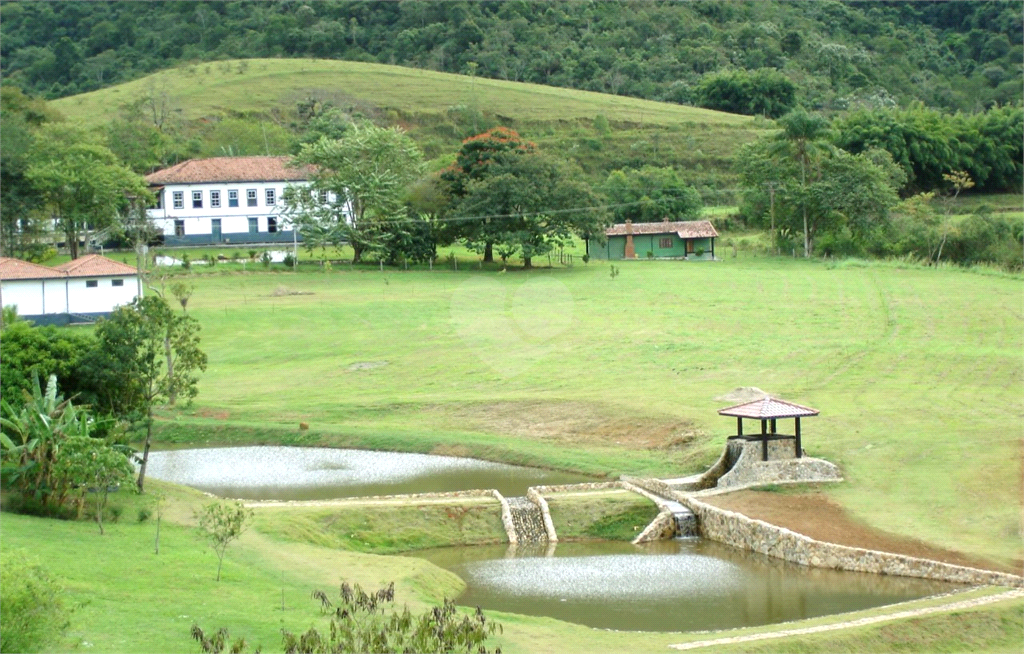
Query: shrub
{"points": [[289, 260], [266, 259], [32, 613], [144, 514]]}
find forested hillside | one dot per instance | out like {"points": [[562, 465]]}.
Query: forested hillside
{"points": [[743, 57]]}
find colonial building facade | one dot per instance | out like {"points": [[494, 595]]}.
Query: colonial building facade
{"points": [[225, 200]]}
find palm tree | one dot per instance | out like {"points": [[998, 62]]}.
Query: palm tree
{"points": [[802, 139]]}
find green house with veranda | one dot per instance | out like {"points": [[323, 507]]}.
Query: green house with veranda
{"points": [[692, 240]]}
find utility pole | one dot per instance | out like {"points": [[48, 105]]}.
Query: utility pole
{"points": [[772, 187]]}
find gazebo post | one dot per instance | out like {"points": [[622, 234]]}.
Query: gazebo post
{"points": [[799, 450], [764, 440], [773, 431], [739, 426]]}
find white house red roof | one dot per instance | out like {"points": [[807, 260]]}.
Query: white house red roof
{"points": [[230, 169], [767, 408], [684, 228], [90, 265], [18, 269], [95, 265]]}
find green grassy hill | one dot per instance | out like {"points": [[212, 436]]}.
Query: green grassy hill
{"points": [[440, 109]]}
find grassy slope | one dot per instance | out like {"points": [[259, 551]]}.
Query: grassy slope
{"points": [[103, 575], [269, 84], [917, 372]]}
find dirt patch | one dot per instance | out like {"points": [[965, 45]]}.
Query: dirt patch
{"points": [[743, 394], [283, 291], [578, 423], [451, 450], [817, 516], [366, 365], [213, 413]]}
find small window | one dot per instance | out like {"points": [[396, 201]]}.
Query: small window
{"points": [[271, 197], [271, 225], [232, 198], [215, 199], [322, 196], [666, 243], [250, 197], [254, 225], [179, 199], [179, 227], [92, 283], [117, 282], [197, 199]]}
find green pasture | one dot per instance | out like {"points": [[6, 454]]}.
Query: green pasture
{"points": [[264, 85], [917, 373]]}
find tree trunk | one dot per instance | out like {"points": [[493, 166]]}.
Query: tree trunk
{"points": [[357, 253], [527, 262], [145, 449], [172, 391], [489, 252]]}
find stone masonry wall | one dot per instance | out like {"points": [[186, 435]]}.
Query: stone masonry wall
{"points": [[746, 533]]}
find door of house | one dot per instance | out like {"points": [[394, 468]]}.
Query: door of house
{"points": [[216, 228], [689, 246], [254, 225]]}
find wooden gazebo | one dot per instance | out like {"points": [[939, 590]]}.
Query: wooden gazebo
{"points": [[768, 410]]}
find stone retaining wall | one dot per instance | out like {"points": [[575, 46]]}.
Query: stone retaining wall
{"points": [[549, 526], [746, 533], [506, 518], [749, 469], [476, 492], [572, 488], [662, 527]]}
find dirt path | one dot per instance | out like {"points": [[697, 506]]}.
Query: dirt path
{"points": [[899, 615], [816, 516]]}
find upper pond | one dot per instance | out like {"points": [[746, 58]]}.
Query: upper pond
{"points": [[309, 473], [675, 585]]}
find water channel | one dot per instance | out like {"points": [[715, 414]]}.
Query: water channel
{"points": [[311, 473], [676, 585]]}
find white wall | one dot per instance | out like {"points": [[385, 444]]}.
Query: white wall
{"points": [[103, 297], [36, 297], [26, 294]]}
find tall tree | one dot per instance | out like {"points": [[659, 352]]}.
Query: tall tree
{"points": [[81, 181], [531, 204], [146, 355], [651, 194], [803, 140], [477, 159], [359, 184]]}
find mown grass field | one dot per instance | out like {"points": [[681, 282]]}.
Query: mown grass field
{"points": [[916, 372]]}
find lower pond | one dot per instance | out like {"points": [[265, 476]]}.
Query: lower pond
{"points": [[310, 473], [675, 585]]}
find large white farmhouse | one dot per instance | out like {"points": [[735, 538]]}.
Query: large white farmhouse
{"points": [[224, 200], [78, 291]]}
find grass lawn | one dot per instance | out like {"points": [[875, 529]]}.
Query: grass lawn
{"points": [[917, 373]]}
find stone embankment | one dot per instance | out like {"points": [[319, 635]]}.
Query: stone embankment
{"points": [[746, 533]]}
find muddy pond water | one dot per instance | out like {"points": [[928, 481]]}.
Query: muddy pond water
{"points": [[675, 585], [311, 473]]}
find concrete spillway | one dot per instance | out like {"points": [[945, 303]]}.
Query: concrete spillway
{"points": [[527, 520]]}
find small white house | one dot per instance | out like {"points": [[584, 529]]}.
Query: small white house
{"points": [[78, 291], [224, 200]]}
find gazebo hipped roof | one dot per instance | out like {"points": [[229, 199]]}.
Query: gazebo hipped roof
{"points": [[768, 408]]}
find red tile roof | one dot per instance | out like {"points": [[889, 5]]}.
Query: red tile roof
{"points": [[18, 269], [95, 265], [90, 265], [767, 408], [684, 228], [231, 169]]}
